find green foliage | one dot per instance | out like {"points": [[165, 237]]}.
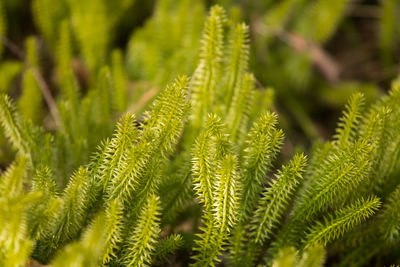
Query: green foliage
{"points": [[14, 243], [343, 220], [30, 100], [167, 45], [11, 123], [201, 174], [142, 243], [276, 198], [312, 257]]}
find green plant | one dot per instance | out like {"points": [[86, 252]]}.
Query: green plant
{"points": [[203, 155]]}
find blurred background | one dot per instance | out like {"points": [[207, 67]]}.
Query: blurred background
{"points": [[308, 56]]}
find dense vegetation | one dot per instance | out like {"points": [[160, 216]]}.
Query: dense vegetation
{"points": [[167, 150]]}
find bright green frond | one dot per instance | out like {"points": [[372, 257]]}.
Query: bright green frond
{"points": [[144, 239], [44, 212], [335, 180], [11, 122], [261, 147], [237, 65], [168, 246], [209, 69], [88, 251], [348, 124], [226, 193], [15, 246], [276, 198], [343, 221], [70, 220], [112, 231]]}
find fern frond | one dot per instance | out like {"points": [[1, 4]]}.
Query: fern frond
{"points": [[343, 221], [210, 146], [43, 181], [260, 148], [209, 243], [212, 39]]}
